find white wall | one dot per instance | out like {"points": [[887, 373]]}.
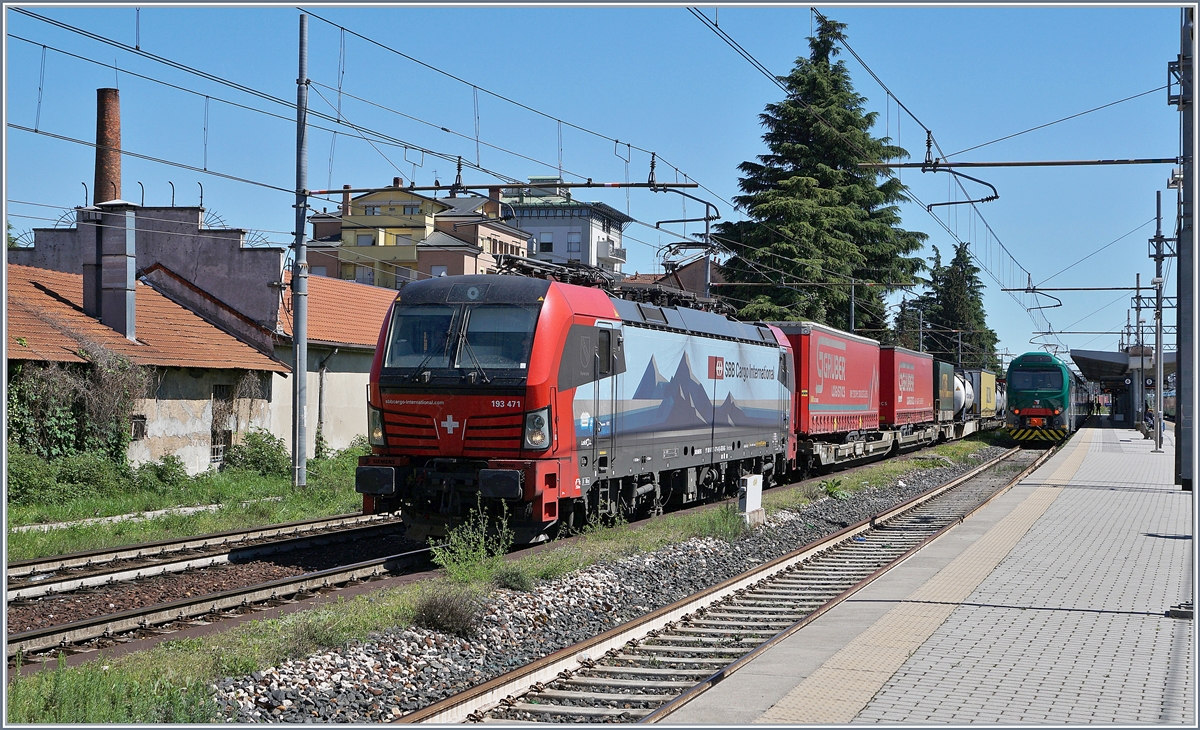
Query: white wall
{"points": [[179, 417], [346, 378]]}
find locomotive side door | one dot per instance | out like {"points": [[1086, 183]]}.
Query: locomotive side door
{"points": [[604, 398]]}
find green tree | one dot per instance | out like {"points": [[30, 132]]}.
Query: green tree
{"points": [[814, 214], [953, 304], [12, 240]]}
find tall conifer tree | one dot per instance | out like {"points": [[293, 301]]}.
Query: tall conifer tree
{"points": [[814, 215], [954, 301]]}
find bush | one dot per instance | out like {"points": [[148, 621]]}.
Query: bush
{"points": [[472, 552], [94, 473], [30, 478], [449, 609], [262, 452], [167, 473], [724, 523], [833, 488], [513, 577]]}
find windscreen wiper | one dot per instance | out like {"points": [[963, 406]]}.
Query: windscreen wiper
{"points": [[471, 351], [421, 368]]}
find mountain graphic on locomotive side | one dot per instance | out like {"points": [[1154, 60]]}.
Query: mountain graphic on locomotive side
{"points": [[553, 404]]}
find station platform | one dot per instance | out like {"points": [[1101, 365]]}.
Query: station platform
{"points": [[1048, 606]]}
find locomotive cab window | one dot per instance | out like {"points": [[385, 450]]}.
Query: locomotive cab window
{"points": [[604, 349], [497, 336], [1036, 380], [463, 336], [420, 335]]}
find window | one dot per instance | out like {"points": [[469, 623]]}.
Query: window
{"points": [[1035, 380], [437, 271], [606, 225], [137, 428], [573, 241], [412, 210], [497, 336], [420, 336], [221, 441], [364, 239], [348, 271], [605, 351], [371, 210], [318, 271], [546, 240], [364, 275], [222, 392]]}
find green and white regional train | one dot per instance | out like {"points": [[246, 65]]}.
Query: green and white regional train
{"points": [[1046, 401]]}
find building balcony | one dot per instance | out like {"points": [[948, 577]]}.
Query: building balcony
{"points": [[608, 250]]}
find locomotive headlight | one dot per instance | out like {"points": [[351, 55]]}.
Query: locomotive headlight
{"points": [[375, 426], [1017, 411], [537, 430]]}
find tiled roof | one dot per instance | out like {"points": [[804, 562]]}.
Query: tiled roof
{"points": [[341, 312], [46, 322]]}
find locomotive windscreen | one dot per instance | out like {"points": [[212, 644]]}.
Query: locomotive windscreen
{"points": [[482, 337], [1035, 380]]}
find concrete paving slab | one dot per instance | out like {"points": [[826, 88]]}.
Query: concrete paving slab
{"points": [[1067, 625]]}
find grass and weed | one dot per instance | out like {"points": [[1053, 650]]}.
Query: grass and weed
{"points": [[169, 683], [248, 498]]}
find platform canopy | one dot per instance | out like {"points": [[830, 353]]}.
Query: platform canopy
{"points": [[1099, 366]]}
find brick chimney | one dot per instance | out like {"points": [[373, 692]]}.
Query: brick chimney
{"points": [[108, 135], [109, 249], [492, 208], [345, 200]]}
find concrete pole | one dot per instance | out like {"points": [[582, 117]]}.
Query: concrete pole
{"points": [[921, 330], [300, 277], [1141, 371], [1158, 326], [1185, 300]]}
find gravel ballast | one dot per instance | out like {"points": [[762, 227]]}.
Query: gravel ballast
{"points": [[403, 669]]}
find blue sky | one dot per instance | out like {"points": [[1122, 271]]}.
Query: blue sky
{"points": [[654, 77]]}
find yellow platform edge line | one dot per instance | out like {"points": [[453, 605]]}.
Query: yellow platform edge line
{"points": [[841, 687]]}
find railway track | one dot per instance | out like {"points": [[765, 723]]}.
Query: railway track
{"points": [[28, 579], [644, 670], [92, 633]]}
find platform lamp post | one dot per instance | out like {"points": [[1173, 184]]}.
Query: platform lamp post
{"points": [[1159, 424]]}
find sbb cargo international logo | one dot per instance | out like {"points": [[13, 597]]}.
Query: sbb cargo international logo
{"points": [[716, 368]]}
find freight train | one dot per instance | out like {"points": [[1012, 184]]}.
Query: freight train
{"points": [[1047, 402], [556, 403]]}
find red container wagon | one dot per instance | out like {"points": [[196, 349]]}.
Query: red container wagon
{"points": [[906, 391], [837, 379]]}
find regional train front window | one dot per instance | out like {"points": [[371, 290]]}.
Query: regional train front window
{"points": [[497, 336], [421, 336], [1035, 380]]}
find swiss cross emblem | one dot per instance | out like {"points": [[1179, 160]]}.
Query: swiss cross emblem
{"points": [[449, 424], [716, 368]]}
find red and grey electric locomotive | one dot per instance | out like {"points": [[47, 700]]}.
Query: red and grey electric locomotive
{"points": [[552, 403], [558, 400]]}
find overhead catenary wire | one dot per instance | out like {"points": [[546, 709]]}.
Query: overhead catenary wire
{"points": [[243, 88], [1056, 121]]}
